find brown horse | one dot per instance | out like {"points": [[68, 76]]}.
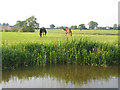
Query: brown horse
{"points": [[68, 30]]}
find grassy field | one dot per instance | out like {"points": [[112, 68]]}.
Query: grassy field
{"points": [[91, 47], [103, 36]]}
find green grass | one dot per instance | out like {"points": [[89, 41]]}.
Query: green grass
{"points": [[24, 49], [59, 35]]}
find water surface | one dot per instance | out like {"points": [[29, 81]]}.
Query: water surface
{"points": [[61, 76]]}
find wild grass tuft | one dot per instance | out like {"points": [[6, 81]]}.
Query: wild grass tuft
{"points": [[75, 51]]}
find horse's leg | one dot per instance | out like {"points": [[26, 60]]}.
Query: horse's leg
{"points": [[40, 35], [66, 33], [71, 34]]}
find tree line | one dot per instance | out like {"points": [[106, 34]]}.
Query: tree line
{"points": [[92, 25], [4, 24], [30, 24]]}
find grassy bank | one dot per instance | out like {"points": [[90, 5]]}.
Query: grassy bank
{"points": [[75, 51], [84, 47]]}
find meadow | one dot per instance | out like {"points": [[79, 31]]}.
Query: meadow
{"points": [[102, 36], [86, 47]]}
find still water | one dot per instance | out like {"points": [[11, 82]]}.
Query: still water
{"points": [[61, 76]]}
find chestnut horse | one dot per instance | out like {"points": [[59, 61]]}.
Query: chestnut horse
{"points": [[68, 30]]}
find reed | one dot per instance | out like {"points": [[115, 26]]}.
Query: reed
{"points": [[81, 51]]}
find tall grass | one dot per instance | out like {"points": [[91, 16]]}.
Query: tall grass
{"points": [[71, 51]]}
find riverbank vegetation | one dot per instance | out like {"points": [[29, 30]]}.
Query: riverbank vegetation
{"points": [[60, 50]]}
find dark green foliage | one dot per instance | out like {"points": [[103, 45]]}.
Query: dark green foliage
{"points": [[79, 52], [115, 27], [29, 25], [19, 23], [92, 24], [5, 24], [82, 26], [52, 26], [74, 27]]}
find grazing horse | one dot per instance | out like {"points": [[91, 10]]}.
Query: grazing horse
{"points": [[68, 30], [42, 30]]}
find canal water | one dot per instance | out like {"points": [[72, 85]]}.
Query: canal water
{"points": [[61, 76]]}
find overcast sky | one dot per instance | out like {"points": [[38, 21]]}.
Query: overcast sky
{"points": [[60, 12]]}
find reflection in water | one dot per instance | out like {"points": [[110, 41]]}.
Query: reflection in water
{"points": [[62, 76]]}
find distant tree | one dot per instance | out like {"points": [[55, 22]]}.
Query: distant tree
{"points": [[19, 24], [3, 24], [74, 27], [115, 27], [6, 24], [15, 29], [0, 24], [52, 26], [82, 26], [118, 26], [99, 28], [30, 24], [92, 24], [60, 27], [111, 28]]}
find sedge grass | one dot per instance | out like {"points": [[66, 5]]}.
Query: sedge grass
{"points": [[81, 51]]}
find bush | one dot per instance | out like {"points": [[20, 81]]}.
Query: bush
{"points": [[22, 29], [26, 29], [15, 29], [1, 30], [6, 30]]}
